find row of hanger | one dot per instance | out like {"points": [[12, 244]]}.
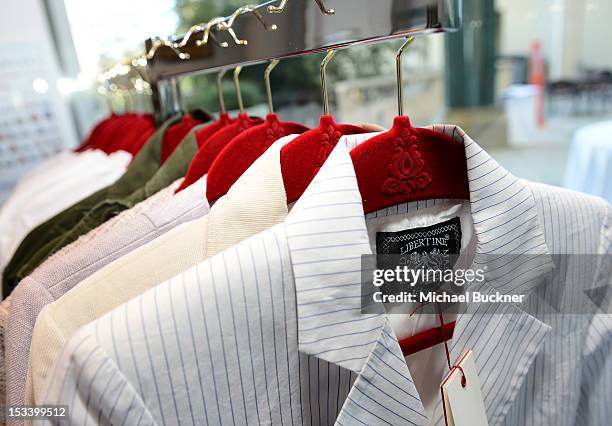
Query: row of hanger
{"points": [[397, 166], [400, 165], [231, 149]]}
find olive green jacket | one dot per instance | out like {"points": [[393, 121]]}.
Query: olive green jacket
{"points": [[143, 178]]}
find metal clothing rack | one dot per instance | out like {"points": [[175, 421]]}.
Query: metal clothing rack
{"points": [[301, 28]]}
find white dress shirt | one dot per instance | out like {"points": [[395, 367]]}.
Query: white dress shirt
{"points": [[271, 330], [53, 188]]}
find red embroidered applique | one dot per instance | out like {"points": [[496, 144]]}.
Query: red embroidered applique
{"points": [[273, 133], [329, 139], [406, 171]]}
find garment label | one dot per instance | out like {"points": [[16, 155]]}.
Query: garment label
{"points": [[461, 395], [431, 248], [442, 238]]}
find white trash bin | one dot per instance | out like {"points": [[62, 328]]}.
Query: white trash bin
{"points": [[520, 108]]}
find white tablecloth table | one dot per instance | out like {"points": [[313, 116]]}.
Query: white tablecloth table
{"points": [[589, 166]]}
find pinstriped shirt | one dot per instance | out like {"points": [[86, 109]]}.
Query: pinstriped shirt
{"points": [[271, 331]]}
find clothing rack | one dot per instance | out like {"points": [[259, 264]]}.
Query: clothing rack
{"points": [[301, 28]]}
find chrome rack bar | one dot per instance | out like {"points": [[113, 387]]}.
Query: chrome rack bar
{"points": [[301, 29]]}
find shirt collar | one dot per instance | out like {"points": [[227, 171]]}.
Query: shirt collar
{"points": [[327, 236], [255, 202]]}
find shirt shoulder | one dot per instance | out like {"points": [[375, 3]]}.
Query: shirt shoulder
{"points": [[573, 222], [28, 298]]}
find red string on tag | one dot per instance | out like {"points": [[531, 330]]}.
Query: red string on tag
{"points": [[448, 360], [444, 336]]}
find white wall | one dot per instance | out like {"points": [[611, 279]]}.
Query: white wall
{"points": [[23, 27], [597, 39], [573, 33], [522, 22], [36, 122]]}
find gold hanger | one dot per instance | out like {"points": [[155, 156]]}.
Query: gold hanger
{"points": [[398, 68], [328, 57], [269, 69], [220, 90], [237, 71]]}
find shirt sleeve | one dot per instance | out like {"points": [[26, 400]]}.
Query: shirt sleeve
{"points": [[596, 390], [89, 382]]}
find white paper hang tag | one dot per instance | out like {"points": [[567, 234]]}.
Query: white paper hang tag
{"points": [[462, 399]]}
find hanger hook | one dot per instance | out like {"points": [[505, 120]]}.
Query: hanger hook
{"points": [[328, 57], [238, 41], [205, 28], [281, 7], [237, 85], [269, 69], [220, 90], [325, 10], [194, 29], [207, 32], [226, 25], [249, 8], [398, 67], [167, 43]]}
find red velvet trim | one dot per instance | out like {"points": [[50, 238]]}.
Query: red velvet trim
{"points": [[426, 339], [202, 136], [126, 132], [112, 133], [409, 164], [134, 136], [210, 149], [302, 158], [175, 134], [94, 135], [206, 132], [242, 151]]}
